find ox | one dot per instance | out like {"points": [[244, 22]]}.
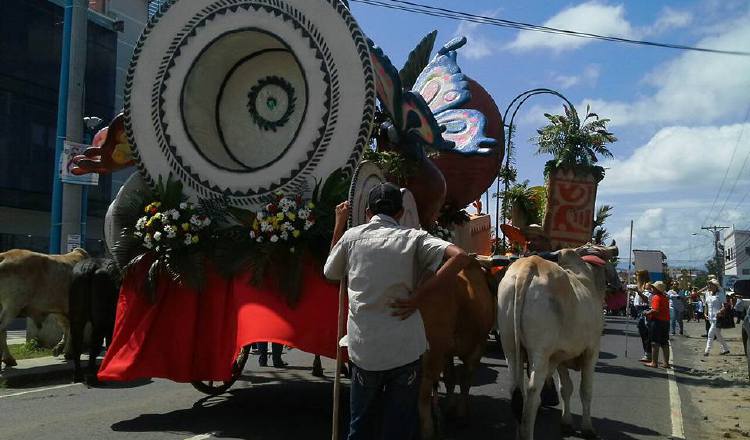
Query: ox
{"points": [[457, 322], [550, 315], [35, 285], [93, 299]]}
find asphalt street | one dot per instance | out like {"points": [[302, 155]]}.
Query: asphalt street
{"points": [[630, 402]]}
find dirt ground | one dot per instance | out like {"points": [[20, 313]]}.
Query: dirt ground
{"points": [[715, 390]]}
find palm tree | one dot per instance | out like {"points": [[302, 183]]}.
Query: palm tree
{"points": [[600, 233], [573, 143]]}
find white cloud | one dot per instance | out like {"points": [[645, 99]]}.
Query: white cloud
{"points": [[670, 19], [694, 88], [681, 158], [588, 77], [591, 17], [478, 45]]}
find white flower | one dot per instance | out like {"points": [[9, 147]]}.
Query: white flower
{"points": [[291, 249], [141, 223], [284, 236], [308, 224], [274, 238], [252, 234], [206, 221], [188, 239], [171, 231], [195, 220], [286, 226], [138, 234], [157, 236], [148, 245], [175, 214], [183, 205], [303, 214], [259, 240]]}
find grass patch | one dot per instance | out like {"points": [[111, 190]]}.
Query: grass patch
{"points": [[29, 350]]}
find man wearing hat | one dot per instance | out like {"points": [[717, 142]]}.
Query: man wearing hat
{"points": [[658, 324], [715, 299], [390, 269]]}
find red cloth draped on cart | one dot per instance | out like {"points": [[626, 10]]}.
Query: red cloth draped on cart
{"points": [[186, 336]]}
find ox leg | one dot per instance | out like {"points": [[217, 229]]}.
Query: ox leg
{"points": [[449, 379], [533, 399], [470, 366], [6, 316], [97, 340], [587, 376], [566, 389], [64, 345], [432, 366]]}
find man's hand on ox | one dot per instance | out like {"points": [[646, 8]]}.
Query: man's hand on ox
{"points": [[404, 308]]}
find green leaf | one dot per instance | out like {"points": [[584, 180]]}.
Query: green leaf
{"points": [[418, 59]]}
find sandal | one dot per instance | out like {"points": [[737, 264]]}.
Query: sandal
{"points": [[651, 365], [666, 366]]}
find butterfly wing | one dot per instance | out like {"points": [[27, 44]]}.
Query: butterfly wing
{"points": [[466, 130], [420, 125], [442, 84], [388, 84]]}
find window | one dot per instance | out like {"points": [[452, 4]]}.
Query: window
{"points": [[745, 271], [154, 6]]}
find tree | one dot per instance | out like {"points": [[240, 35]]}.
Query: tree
{"points": [[713, 267], [600, 233], [573, 143]]}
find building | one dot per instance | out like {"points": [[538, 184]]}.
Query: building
{"points": [[736, 256], [30, 53], [652, 261]]}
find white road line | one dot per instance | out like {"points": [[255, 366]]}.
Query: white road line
{"points": [[678, 429], [39, 390], [201, 437]]}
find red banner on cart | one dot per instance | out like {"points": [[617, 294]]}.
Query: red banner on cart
{"points": [[187, 336]]}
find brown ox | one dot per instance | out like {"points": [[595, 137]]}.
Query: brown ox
{"points": [[35, 285], [551, 316], [457, 322]]}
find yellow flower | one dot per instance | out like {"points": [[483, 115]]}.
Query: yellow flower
{"points": [[256, 224], [186, 227], [195, 239], [310, 205], [291, 215], [280, 216], [295, 233]]}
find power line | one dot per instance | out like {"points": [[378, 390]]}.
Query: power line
{"points": [[744, 164], [417, 8]]}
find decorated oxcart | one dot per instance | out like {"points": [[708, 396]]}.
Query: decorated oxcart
{"points": [[248, 121]]}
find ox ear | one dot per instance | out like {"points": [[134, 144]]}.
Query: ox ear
{"points": [[593, 259]]}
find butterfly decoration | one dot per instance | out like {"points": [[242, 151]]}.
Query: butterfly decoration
{"points": [[431, 115], [110, 151]]}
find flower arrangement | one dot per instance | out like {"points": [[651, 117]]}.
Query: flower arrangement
{"points": [[168, 230], [284, 219]]}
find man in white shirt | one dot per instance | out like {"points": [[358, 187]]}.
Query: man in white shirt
{"points": [[389, 270]]}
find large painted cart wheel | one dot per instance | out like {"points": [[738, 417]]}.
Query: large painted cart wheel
{"points": [[240, 99], [214, 388]]}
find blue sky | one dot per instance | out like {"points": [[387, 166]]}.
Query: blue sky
{"points": [[679, 115]]}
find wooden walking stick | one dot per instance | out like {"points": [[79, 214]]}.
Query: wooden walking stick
{"points": [[339, 363]]}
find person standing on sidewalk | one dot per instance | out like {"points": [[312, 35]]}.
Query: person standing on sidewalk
{"points": [[714, 304], [676, 309], [658, 324], [384, 263]]}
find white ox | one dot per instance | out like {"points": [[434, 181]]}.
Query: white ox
{"points": [[550, 315], [35, 285]]}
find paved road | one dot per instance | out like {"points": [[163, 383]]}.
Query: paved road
{"points": [[630, 402]]}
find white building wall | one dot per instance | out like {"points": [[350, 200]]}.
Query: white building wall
{"points": [[737, 254]]}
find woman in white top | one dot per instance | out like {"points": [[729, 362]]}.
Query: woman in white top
{"points": [[714, 304]]}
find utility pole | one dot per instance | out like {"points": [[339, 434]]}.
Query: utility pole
{"points": [[718, 253], [66, 198]]}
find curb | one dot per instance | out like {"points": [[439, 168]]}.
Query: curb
{"points": [[53, 371]]}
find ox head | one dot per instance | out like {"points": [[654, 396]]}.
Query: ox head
{"points": [[603, 259]]}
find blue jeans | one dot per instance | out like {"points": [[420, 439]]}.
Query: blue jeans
{"points": [[383, 404], [675, 317]]}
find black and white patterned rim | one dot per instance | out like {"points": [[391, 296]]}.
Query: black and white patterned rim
{"points": [[300, 176]]}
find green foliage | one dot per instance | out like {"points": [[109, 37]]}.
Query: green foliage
{"points": [[395, 165], [417, 61], [600, 233], [714, 267], [575, 144], [29, 350], [700, 281], [532, 201], [169, 193]]}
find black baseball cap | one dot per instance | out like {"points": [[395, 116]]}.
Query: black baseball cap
{"points": [[385, 199]]}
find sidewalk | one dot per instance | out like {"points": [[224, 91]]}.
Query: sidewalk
{"points": [[39, 370], [715, 391]]}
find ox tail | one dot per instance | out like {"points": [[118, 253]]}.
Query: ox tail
{"points": [[523, 281]]}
